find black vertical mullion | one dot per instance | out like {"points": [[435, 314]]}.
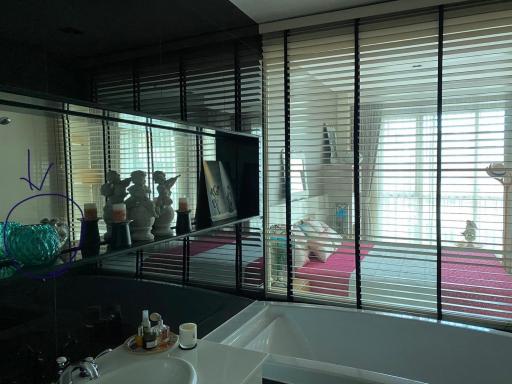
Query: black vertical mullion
{"points": [[199, 155], [357, 193], [135, 87], [287, 150], [238, 90], [148, 149], [105, 149], [238, 256], [238, 128], [151, 163], [67, 171], [184, 271], [263, 143], [187, 275], [108, 144], [94, 89], [439, 158], [183, 89]]}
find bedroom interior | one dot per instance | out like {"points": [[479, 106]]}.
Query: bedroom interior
{"points": [[251, 172]]}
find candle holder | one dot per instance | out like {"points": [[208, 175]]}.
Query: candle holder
{"points": [[89, 237], [183, 224], [121, 237]]}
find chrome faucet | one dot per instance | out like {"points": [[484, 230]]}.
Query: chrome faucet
{"points": [[88, 368]]}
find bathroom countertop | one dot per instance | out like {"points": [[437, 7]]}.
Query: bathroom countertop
{"points": [[214, 363]]}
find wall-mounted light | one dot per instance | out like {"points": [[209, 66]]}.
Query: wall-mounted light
{"points": [[4, 120]]}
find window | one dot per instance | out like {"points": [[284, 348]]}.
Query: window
{"points": [[406, 184], [476, 138], [473, 141], [431, 222]]}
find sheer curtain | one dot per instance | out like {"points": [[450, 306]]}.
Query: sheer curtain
{"points": [[371, 120], [471, 138]]}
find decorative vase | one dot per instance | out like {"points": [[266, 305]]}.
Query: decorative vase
{"points": [[142, 222], [162, 226], [33, 245], [10, 226]]}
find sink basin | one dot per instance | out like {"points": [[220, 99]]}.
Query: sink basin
{"points": [[154, 371]]}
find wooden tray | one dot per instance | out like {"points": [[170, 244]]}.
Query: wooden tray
{"points": [[163, 347]]}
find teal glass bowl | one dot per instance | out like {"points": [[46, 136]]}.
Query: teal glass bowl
{"points": [[7, 271], [34, 245], [8, 229]]}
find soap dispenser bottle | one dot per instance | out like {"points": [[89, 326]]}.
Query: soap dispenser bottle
{"points": [[149, 338], [146, 324], [162, 331]]}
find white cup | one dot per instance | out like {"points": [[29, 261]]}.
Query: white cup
{"points": [[188, 335]]}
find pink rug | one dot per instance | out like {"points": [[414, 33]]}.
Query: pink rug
{"points": [[171, 258], [475, 283], [333, 276]]}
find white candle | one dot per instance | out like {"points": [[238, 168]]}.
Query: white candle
{"points": [[188, 335], [90, 211], [182, 204]]}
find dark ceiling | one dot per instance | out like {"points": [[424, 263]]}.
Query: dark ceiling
{"points": [[88, 28]]}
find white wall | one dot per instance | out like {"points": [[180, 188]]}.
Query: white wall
{"points": [[34, 132]]}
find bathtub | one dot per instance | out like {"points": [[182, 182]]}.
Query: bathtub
{"points": [[322, 344]]}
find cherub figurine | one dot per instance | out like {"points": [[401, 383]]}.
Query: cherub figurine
{"points": [[114, 189], [139, 193], [163, 204], [164, 189], [140, 209]]}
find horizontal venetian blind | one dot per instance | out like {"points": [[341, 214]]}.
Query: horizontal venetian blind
{"points": [[210, 77], [397, 156], [251, 96], [321, 70], [249, 59], [402, 89], [477, 97], [159, 87], [115, 88], [274, 177], [84, 156]]}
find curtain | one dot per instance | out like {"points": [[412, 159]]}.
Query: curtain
{"points": [[371, 121]]}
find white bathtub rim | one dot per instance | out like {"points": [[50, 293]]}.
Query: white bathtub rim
{"points": [[261, 314], [232, 328], [228, 328], [444, 323], [343, 371]]}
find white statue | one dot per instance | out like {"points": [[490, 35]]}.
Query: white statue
{"points": [[140, 208], [163, 204], [470, 232], [114, 191]]}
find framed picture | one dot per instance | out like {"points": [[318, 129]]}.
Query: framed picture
{"points": [[221, 199], [298, 175], [342, 218]]}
